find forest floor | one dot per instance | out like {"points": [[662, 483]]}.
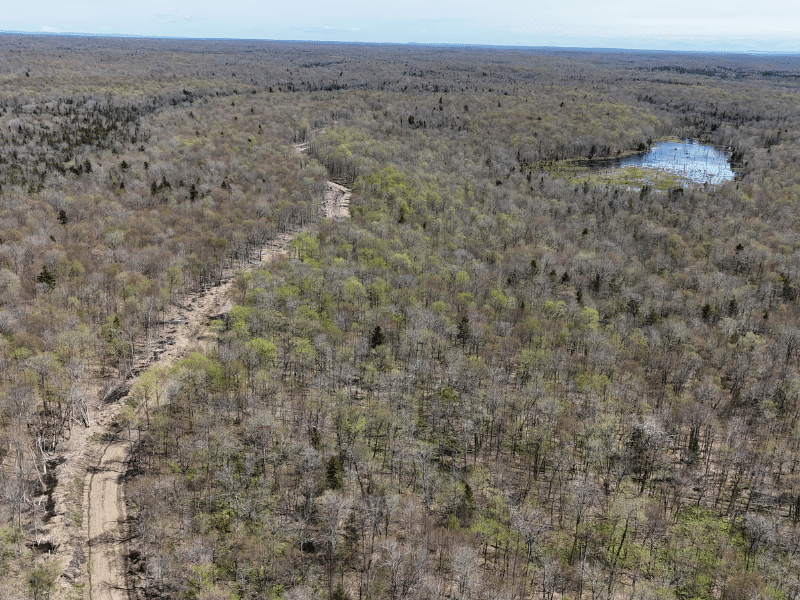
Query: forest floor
{"points": [[87, 524]]}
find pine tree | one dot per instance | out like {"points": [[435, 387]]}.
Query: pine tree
{"points": [[46, 277], [377, 338], [463, 331], [333, 474]]}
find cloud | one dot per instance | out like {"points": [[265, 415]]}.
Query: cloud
{"points": [[337, 28], [176, 20], [48, 29]]}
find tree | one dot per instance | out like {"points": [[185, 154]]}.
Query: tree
{"points": [[332, 508], [339, 593], [9, 286], [42, 579], [174, 280], [377, 338], [333, 474], [407, 567], [464, 332], [46, 277], [464, 565]]}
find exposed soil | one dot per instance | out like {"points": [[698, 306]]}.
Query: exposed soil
{"points": [[105, 523], [335, 198], [336, 201], [88, 521]]}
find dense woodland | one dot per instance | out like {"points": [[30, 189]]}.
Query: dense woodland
{"points": [[499, 379]]}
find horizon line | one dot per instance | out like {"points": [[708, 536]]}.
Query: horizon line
{"points": [[422, 44]]}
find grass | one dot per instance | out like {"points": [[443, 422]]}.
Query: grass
{"points": [[626, 177], [633, 177], [76, 510], [576, 172], [77, 590]]}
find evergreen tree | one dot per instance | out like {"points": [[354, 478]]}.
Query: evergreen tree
{"points": [[339, 593], [463, 331], [333, 474], [377, 338], [46, 277]]}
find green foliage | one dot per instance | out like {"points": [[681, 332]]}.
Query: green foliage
{"points": [[265, 350], [201, 374], [237, 319], [42, 579], [11, 538], [339, 593], [377, 337], [533, 428], [464, 334], [333, 474], [306, 247], [46, 277]]}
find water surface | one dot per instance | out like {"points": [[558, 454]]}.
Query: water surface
{"points": [[697, 162]]}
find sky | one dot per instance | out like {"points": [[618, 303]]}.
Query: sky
{"points": [[694, 25]]}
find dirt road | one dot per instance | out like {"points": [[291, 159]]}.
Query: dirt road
{"points": [[101, 467], [105, 524], [336, 201], [104, 500]]}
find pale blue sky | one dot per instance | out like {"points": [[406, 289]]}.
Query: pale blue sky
{"points": [[735, 25]]}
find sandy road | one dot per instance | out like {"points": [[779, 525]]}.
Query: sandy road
{"points": [[105, 524], [92, 551], [103, 499], [104, 490], [336, 201]]}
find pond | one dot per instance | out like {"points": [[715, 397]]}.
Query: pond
{"points": [[691, 160]]}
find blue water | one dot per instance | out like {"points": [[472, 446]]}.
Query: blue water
{"points": [[697, 162]]}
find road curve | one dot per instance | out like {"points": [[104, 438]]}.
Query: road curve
{"points": [[104, 492]]}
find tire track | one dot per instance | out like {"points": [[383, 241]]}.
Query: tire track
{"points": [[104, 499], [104, 495], [105, 521]]}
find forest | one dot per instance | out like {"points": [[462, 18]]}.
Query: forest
{"points": [[502, 377]]}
